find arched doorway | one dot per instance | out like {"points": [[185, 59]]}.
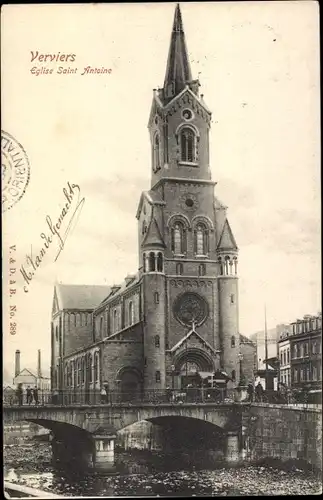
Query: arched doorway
{"points": [[189, 365], [129, 383]]}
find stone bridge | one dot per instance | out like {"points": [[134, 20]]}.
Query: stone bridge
{"points": [[110, 419], [240, 431], [89, 431]]}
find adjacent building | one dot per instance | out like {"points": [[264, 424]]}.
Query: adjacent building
{"points": [[178, 313], [248, 359], [27, 378], [300, 354]]}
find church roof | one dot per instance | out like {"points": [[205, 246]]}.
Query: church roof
{"points": [[227, 241], [153, 236], [125, 285], [80, 296], [153, 198], [178, 70]]}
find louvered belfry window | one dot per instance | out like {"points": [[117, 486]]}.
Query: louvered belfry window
{"points": [[187, 145]]}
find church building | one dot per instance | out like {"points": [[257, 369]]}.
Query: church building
{"points": [[178, 314]]}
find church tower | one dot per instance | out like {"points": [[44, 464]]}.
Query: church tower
{"points": [[187, 252]]}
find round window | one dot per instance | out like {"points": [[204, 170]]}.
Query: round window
{"points": [[189, 202], [190, 307], [187, 114]]}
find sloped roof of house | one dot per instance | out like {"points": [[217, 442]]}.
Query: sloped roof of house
{"points": [[121, 288], [245, 340], [81, 296]]}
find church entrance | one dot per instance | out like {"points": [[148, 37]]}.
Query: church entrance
{"points": [[191, 367], [129, 385]]}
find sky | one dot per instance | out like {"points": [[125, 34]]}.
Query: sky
{"points": [[258, 65]]}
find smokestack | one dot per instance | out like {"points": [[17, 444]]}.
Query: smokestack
{"points": [[17, 363], [39, 365]]}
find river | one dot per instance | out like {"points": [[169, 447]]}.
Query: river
{"points": [[146, 474]]}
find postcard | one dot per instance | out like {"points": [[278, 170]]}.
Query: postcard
{"points": [[161, 249]]}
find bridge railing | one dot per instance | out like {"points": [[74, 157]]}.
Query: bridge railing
{"points": [[159, 396], [70, 397]]}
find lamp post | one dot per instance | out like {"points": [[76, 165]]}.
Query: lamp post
{"points": [[240, 366], [173, 374]]}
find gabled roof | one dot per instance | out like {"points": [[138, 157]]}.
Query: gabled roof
{"points": [[227, 241], [153, 236], [80, 296], [153, 198], [26, 371], [197, 335], [191, 93]]}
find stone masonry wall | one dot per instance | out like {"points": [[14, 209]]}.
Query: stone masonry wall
{"points": [[283, 432]]}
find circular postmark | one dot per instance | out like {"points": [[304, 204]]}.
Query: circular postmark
{"points": [[15, 170]]}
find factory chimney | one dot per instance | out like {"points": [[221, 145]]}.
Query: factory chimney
{"points": [[17, 363], [39, 365]]}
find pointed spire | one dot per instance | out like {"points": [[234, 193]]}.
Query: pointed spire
{"points": [[178, 71], [153, 236], [227, 241]]}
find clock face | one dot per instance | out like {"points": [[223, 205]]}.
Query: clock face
{"points": [[191, 307]]}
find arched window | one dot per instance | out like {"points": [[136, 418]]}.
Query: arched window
{"points": [[83, 370], [177, 239], [179, 268], [227, 260], [202, 270], [187, 138], [152, 264], [156, 298], [56, 333], [144, 262], [130, 313], [156, 152], [233, 341], [233, 375], [157, 341], [232, 298], [96, 367], [90, 367], [77, 319], [201, 240], [101, 327], [157, 376], [220, 264], [314, 348], [115, 320], [160, 262], [288, 360]]}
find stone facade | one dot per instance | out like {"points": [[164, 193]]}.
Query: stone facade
{"points": [[186, 286]]}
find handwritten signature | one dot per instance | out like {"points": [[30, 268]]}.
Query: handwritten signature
{"points": [[54, 232]]}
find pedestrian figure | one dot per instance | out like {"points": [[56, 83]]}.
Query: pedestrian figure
{"points": [[35, 395], [55, 397], [250, 392], [19, 394], [259, 393], [107, 393], [28, 395], [168, 394], [103, 395]]}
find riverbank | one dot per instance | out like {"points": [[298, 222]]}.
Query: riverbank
{"points": [[143, 474]]}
